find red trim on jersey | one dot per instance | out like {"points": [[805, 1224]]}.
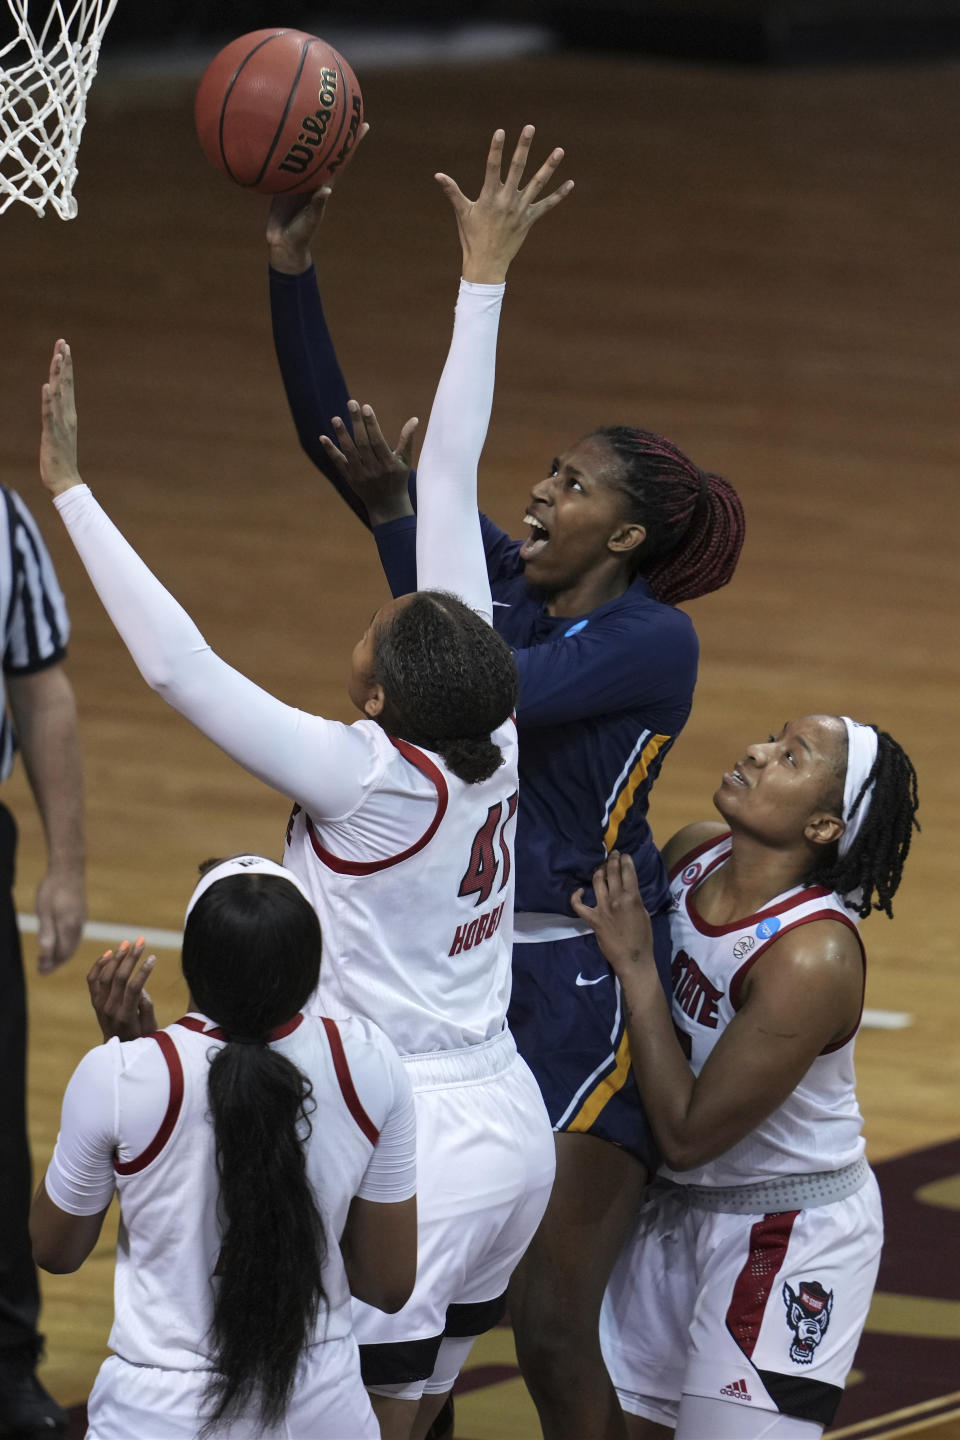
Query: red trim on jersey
{"points": [[346, 1082], [203, 1027], [769, 1239], [370, 867], [738, 976], [798, 896], [169, 1052], [697, 850]]}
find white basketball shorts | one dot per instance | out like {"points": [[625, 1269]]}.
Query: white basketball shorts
{"points": [[485, 1167], [329, 1401], [758, 1310]]}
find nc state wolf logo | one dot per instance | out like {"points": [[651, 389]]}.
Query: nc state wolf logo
{"points": [[808, 1315]]}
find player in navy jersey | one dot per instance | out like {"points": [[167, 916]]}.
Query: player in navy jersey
{"points": [[735, 1310], [622, 528]]}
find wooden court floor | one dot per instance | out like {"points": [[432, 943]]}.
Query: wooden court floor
{"points": [[763, 266]]}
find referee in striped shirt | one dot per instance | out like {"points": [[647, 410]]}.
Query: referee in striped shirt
{"points": [[38, 717]]}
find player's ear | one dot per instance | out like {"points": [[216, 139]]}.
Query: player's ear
{"points": [[823, 828], [627, 537], [373, 705]]}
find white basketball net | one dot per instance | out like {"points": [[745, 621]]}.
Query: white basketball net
{"points": [[44, 79]]}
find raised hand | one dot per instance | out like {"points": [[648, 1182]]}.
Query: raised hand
{"points": [[494, 226], [117, 992], [619, 919], [292, 223], [378, 474], [58, 432]]}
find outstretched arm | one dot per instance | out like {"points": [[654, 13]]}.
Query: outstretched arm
{"points": [[450, 553], [323, 765], [325, 419]]}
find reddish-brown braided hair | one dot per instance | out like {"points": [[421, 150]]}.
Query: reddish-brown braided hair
{"points": [[694, 520]]}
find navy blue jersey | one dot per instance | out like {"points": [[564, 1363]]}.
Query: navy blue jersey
{"points": [[602, 696]]}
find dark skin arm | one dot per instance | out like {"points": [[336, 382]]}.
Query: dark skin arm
{"points": [[803, 993], [379, 1248], [45, 719]]}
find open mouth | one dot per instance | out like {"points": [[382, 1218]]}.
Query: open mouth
{"points": [[537, 540], [737, 777]]}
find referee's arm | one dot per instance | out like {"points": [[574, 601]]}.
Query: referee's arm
{"points": [[43, 713]]}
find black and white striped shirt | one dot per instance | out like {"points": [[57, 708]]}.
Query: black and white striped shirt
{"points": [[32, 609]]}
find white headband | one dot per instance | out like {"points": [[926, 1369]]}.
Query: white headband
{"points": [[861, 758], [243, 865]]}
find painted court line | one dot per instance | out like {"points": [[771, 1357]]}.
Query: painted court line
{"points": [[112, 934]]}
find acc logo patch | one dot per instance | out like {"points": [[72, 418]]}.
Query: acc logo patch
{"points": [[768, 927], [743, 946], [691, 873], [808, 1315]]}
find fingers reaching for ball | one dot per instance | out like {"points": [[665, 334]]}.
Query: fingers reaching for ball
{"points": [[494, 226]]}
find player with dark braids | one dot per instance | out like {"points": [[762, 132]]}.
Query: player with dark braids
{"points": [[873, 865], [623, 528], [428, 662], [735, 1309], [693, 519]]}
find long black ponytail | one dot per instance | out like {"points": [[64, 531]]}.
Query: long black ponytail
{"points": [[251, 957]]}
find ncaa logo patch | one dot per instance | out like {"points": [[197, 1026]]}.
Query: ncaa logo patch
{"points": [[691, 873], [743, 946], [768, 927]]}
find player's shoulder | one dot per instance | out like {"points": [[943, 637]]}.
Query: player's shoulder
{"points": [[689, 841], [105, 1064], [376, 1071], [826, 941], [364, 1043], [637, 618]]}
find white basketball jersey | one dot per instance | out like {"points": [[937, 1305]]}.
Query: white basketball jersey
{"points": [[818, 1126], [414, 891], [169, 1240]]}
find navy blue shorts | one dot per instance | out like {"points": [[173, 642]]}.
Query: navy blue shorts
{"points": [[567, 1018]]}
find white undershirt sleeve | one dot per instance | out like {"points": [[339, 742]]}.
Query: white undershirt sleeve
{"points": [[325, 766], [392, 1172], [450, 552], [80, 1178]]}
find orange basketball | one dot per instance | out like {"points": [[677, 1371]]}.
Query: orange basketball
{"points": [[278, 111]]}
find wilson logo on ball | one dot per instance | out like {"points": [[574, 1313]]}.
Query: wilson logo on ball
{"points": [[313, 128], [278, 111]]}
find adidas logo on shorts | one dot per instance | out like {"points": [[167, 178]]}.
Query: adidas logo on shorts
{"points": [[737, 1390]]}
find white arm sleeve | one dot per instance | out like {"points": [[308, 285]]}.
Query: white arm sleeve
{"points": [[323, 765], [449, 544], [80, 1177]]}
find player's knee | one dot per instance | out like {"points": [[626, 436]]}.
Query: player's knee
{"points": [[550, 1352]]}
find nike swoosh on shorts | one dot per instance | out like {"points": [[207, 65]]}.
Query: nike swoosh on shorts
{"points": [[596, 981]]}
